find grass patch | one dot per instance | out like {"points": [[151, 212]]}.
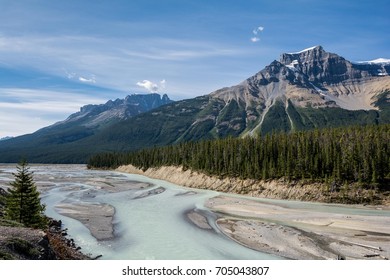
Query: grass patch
{"points": [[23, 248], [6, 256], [9, 223]]}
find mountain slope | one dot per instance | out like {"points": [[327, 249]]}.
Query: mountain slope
{"points": [[301, 82], [303, 90], [112, 111], [59, 142]]}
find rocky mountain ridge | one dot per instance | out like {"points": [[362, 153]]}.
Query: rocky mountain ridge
{"points": [[304, 90], [312, 78], [118, 109]]}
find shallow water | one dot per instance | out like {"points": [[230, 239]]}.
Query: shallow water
{"points": [[152, 227]]}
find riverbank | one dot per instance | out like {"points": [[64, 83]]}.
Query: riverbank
{"points": [[275, 189], [18, 242], [22, 243], [281, 230]]}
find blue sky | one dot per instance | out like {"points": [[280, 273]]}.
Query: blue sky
{"points": [[56, 56]]}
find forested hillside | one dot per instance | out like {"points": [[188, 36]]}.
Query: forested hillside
{"points": [[334, 155]]}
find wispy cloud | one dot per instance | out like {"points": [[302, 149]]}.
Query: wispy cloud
{"points": [[124, 43], [37, 108], [176, 50], [21, 95], [118, 62], [18, 124], [257, 31], [163, 84], [69, 75], [75, 76]]}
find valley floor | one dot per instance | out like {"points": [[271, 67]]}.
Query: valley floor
{"points": [[278, 227], [289, 232]]}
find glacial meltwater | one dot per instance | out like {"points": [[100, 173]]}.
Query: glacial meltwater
{"points": [[150, 222], [145, 226]]}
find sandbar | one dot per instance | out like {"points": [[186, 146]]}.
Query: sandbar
{"points": [[97, 217], [303, 234]]}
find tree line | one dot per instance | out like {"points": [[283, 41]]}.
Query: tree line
{"points": [[345, 154]]}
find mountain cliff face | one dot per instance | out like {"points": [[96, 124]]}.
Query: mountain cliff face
{"points": [[308, 89], [285, 94], [320, 66]]}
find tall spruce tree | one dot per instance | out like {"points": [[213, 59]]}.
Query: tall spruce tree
{"points": [[23, 203]]}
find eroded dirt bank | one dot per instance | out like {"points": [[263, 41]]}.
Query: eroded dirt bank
{"points": [[277, 189]]}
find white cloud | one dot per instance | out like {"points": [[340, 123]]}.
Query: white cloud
{"points": [[257, 32], [86, 80], [152, 87], [73, 76], [258, 29]]}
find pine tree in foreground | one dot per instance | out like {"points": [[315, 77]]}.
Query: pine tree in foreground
{"points": [[23, 203]]}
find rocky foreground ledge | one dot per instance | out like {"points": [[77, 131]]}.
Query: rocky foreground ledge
{"points": [[21, 243]]}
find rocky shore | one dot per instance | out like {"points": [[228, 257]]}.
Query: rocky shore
{"points": [[22, 243], [18, 242]]}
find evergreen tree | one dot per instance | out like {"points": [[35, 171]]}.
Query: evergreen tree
{"points": [[23, 203]]}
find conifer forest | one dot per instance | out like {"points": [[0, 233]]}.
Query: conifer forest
{"points": [[342, 155]]}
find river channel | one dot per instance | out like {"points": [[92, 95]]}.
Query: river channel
{"points": [[151, 219]]}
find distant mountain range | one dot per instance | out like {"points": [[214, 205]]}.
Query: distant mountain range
{"points": [[97, 116], [59, 142], [304, 90]]}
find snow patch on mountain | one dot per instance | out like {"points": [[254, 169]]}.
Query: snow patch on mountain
{"points": [[305, 50], [385, 61], [293, 65]]}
